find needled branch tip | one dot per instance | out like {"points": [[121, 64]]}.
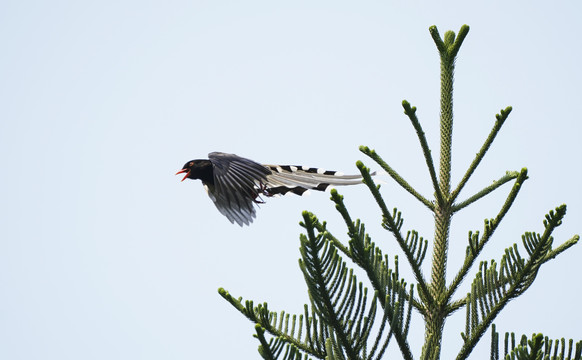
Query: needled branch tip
{"points": [[408, 109], [504, 113], [336, 198], [260, 331], [309, 219], [360, 165], [449, 38], [522, 176], [366, 150], [437, 38], [502, 116], [451, 44]]}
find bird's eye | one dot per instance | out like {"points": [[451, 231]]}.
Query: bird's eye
{"points": [[191, 163]]}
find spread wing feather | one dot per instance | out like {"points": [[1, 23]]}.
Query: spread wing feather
{"points": [[236, 182]]}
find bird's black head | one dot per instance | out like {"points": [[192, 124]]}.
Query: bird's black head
{"points": [[197, 169]]}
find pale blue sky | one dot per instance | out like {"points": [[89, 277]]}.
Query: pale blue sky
{"points": [[104, 254]]}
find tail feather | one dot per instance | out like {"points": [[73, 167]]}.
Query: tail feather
{"points": [[299, 179]]}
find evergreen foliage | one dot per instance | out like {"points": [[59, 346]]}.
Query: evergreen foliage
{"points": [[345, 320]]}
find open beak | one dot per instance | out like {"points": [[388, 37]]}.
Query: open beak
{"points": [[182, 172]]}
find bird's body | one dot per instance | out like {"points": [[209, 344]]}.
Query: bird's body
{"points": [[235, 183]]}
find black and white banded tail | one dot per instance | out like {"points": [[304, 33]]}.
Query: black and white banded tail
{"points": [[299, 179]]}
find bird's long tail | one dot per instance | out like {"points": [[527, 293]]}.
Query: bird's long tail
{"points": [[298, 179]]}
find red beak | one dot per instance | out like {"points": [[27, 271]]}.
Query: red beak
{"points": [[184, 171]]}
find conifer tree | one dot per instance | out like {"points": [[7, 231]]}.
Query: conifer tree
{"points": [[345, 320]]}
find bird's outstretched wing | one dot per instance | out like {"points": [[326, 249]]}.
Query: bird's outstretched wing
{"points": [[237, 183]]}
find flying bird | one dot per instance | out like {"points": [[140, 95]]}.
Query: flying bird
{"points": [[235, 184]]}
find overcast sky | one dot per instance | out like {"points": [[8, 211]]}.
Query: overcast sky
{"points": [[105, 254]]}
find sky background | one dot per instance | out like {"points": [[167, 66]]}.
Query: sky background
{"points": [[105, 254]]}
